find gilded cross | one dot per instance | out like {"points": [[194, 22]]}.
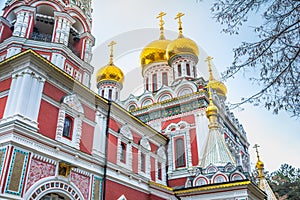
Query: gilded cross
{"points": [[161, 24], [178, 16], [208, 59], [111, 45], [160, 15], [256, 147]]}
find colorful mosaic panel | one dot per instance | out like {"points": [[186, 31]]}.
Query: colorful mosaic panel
{"points": [[16, 173], [38, 170], [97, 188], [2, 157], [82, 182]]}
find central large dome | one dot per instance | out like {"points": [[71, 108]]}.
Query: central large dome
{"points": [[154, 52], [182, 45]]}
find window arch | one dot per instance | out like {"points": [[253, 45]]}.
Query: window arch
{"points": [[179, 153], [69, 122]]}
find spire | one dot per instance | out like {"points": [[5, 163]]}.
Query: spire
{"points": [[208, 59], [259, 164], [178, 16], [111, 45], [216, 151], [262, 182], [161, 25]]}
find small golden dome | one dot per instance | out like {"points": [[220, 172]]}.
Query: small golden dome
{"points": [[259, 164], [182, 45], [154, 52], [110, 73], [219, 87], [211, 110]]}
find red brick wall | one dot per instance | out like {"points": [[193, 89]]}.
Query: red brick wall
{"points": [[47, 119], [87, 136]]}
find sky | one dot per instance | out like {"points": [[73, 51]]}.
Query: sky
{"points": [[133, 24]]}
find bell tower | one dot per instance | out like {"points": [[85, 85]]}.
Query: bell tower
{"points": [[59, 30]]}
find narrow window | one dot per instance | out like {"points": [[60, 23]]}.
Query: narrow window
{"points": [[147, 83], [117, 95], [179, 153], [154, 82], [67, 127], [179, 69], [143, 162], [159, 171], [195, 72], [102, 93], [123, 153], [109, 93], [188, 69], [165, 78]]}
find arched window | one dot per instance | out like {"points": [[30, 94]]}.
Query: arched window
{"points": [[67, 131], [179, 153], [164, 78], [188, 70], [147, 83], [159, 171], [154, 82], [195, 72], [143, 162], [179, 69], [109, 93], [123, 153]]}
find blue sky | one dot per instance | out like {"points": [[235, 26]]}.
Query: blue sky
{"points": [[133, 24]]}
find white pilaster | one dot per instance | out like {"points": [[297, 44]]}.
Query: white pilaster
{"points": [[58, 60], [24, 97], [201, 122], [23, 21], [99, 135], [63, 23]]}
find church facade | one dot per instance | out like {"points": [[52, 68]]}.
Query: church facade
{"points": [[60, 140]]}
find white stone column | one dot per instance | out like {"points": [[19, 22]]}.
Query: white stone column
{"points": [[23, 21], [63, 23], [24, 97]]}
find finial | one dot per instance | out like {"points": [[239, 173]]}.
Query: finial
{"points": [[259, 164], [256, 147], [178, 16], [208, 59], [111, 45], [161, 25]]}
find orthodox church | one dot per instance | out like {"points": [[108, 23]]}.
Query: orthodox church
{"points": [[60, 140]]}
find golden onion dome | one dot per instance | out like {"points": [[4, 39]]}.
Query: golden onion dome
{"points": [[259, 164], [182, 45], [154, 52], [219, 87], [211, 110], [110, 72]]}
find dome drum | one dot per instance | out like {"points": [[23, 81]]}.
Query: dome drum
{"points": [[186, 56]]}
